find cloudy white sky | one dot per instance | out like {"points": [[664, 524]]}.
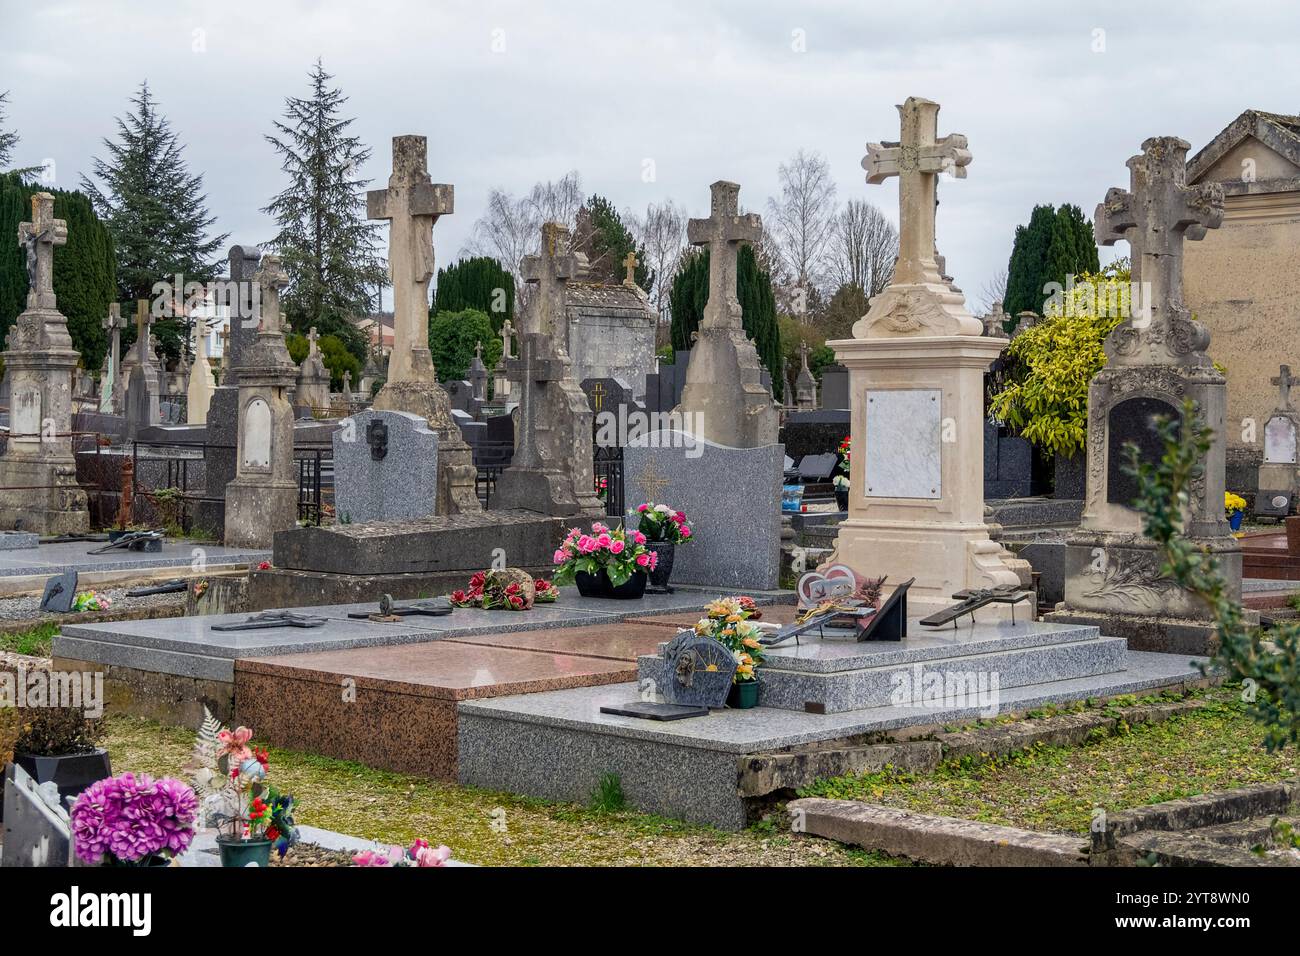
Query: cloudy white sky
{"points": [[1052, 100]]}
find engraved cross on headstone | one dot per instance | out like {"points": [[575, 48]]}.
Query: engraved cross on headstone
{"points": [[554, 265], [412, 203], [1284, 381], [531, 369], [271, 278], [916, 159], [1154, 215], [39, 237], [723, 232]]}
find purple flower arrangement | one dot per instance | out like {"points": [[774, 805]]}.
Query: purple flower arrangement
{"points": [[130, 818]]}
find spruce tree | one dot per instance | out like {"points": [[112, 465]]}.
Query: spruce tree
{"points": [[480, 283], [690, 294], [155, 210], [328, 247], [1056, 244]]}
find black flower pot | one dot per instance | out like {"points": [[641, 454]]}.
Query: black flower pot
{"points": [[842, 499], [599, 586], [71, 773], [663, 569]]}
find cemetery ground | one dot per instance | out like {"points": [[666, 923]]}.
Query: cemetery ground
{"points": [[1210, 746]]}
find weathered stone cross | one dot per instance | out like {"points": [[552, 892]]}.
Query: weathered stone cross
{"points": [[144, 320], [412, 204], [478, 352], [1157, 212], [312, 337], [555, 265], [918, 157], [1284, 381], [630, 264], [723, 232], [114, 324], [507, 330], [39, 237], [271, 278]]}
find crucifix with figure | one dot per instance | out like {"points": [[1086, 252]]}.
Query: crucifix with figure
{"points": [[917, 159], [39, 237], [550, 269], [1154, 215], [723, 232], [412, 204]]}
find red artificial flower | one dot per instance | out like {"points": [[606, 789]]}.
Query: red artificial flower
{"points": [[540, 585], [272, 833], [476, 582], [512, 587], [262, 757], [516, 600], [264, 566], [457, 597]]}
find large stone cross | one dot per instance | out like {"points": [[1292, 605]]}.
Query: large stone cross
{"points": [[550, 269], [114, 324], [1284, 381], [630, 264], [412, 204], [270, 278], [1157, 212], [532, 368], [39, 237], [144, 319], [917, 159], [723, 232]]}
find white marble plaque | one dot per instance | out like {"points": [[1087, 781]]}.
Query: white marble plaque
{"points": [[1279, 441], [26, 413], [903, 454], [257, 435]]}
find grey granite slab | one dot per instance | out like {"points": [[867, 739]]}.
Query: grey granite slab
{"points": [[18, 540], [75, 556], [1251, 585], [402, 483]]}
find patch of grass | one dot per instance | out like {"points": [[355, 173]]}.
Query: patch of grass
{"points": [[608, 797], [35, 641], [483, 826], [1215, 747]]}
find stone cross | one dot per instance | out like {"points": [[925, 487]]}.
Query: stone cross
{"points": [[507, 331], [412, 203], [555, 265], [39, 237], [533, 367], [312, 337], [630, 264], [478, 351], [918, 157], [803, 355], [1284, 381], [723, 232], [347, 384], [144, 320], [270, 278], [114, 324], [1154, 215]]}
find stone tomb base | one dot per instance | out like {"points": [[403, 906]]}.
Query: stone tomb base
{"points": [[732, 497]]}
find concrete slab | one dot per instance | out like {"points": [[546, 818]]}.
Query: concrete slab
{"points": [[63, 556]]}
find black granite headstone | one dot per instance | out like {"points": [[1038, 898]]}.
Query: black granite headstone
{"points": [[1133, 421]]}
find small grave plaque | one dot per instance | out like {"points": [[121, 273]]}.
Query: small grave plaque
{"points": [[1280, 441], [697, 671], [1133, 421], [60, 592]]}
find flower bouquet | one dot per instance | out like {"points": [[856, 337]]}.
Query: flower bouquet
{"points": [[1235, 508], [133, 820], [731, 621], [419, 853], [661, 523], [90, 601], [509, 589], [607, 562]]}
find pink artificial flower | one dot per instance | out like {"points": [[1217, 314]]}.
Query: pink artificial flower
{"points": [[559, 557], [604, 540], [370, 858], [643, 559], [638, 537], [597, 526], [587, 544], [235, 743], [432, 856], [616, 547], [642, 507], [686, 532], [654, 559]]}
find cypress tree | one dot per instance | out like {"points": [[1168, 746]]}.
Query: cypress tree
{"points": [[1056, 244], [690, 294], [327, 245], [8, 138], [480, 283]]}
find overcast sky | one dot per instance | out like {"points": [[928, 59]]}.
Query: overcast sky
{"points": [[1052, 101]]}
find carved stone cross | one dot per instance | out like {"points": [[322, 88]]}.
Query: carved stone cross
{"points": [[630, 264], [478, 352], [507, 331], [412, 203], [1284, 381], [531, 369], [271, 278], [1154, 215], [550, 269], [39, 237], [723, 232], [916, 159], [144, 320], [114, 324], [312, 338]]}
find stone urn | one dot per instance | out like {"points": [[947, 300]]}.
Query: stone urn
{"points": [[663, 569]]}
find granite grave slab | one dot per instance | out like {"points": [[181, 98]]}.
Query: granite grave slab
{"points": [[385, 467]]}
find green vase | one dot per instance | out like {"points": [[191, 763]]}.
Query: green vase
{"points": [[744, 695], [243, 852]]}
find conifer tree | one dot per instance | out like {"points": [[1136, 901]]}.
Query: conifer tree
{"points": [[480, 283], [606, 241], [8, 138], [1056, 243], [328, 247]]}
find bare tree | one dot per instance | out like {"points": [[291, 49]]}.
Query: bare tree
{"points": [[863, 247], [993, 292], [802, 220], [661, 233], [511, 228]]}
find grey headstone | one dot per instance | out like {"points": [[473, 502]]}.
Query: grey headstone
{"points": [[1280, 441], [818, 467], [737, 539], [385, 467], [60, 592], [835, 387], [37, 832]]}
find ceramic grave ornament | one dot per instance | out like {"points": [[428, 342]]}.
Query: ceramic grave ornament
{"points": [[39, 360], [697, 671], [916, 366], [1156, 361]]}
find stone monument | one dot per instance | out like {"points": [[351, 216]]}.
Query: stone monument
{"points": [[385, 467], [412, 204], [313, 378], [1156, 360], [263, 497], [144, 383], [916, 366], [202, 383], [551, 471], [38, 465], [724, 399], [805, 386], [111, 384], [478, 375], [1280, 470]]}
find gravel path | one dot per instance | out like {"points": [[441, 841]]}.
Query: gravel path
{"points": [[28, 608]]}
